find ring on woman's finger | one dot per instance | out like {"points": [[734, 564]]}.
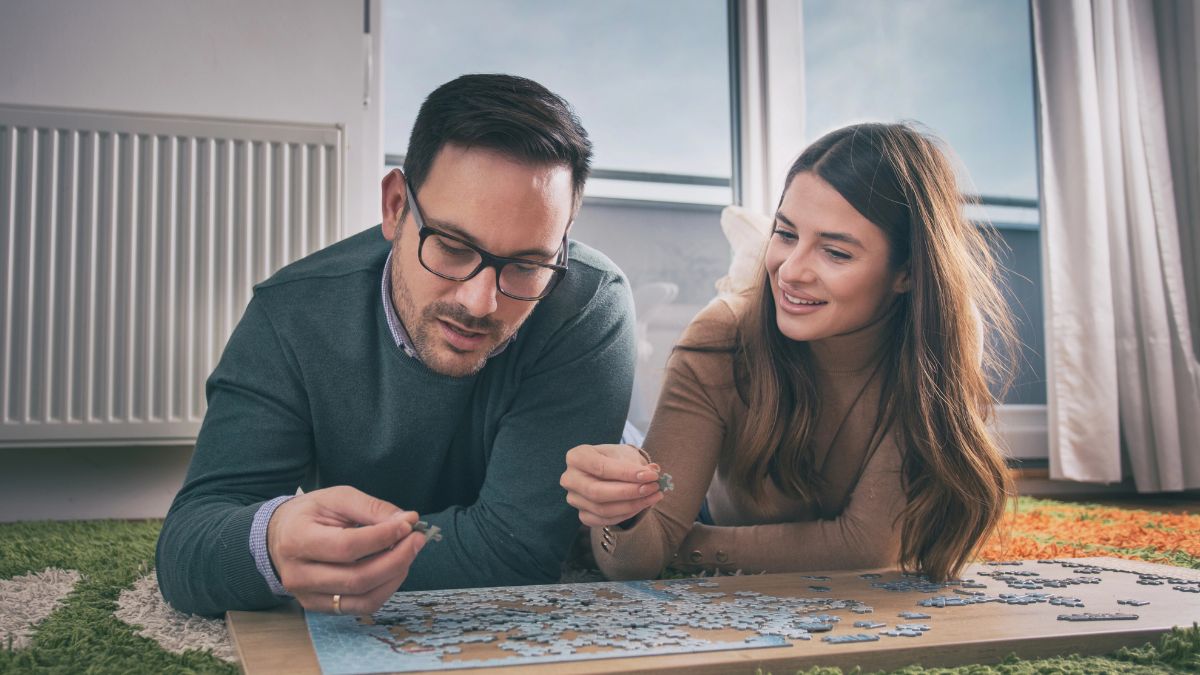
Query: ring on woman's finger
{"points": [[337, 604]]}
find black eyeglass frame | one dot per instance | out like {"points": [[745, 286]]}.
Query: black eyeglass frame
{"points": [[486, 259]]}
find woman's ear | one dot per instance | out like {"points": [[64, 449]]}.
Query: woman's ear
{"points": [[395, 195], [903, 281]]}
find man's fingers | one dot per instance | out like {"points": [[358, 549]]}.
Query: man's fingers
{"points": [[335, 544], [361, 577], [350, 505], [371, 599]]}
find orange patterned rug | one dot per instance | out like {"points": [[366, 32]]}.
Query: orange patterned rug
{"points": [[1035, 529]]}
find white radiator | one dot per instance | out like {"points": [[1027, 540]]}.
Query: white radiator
{"points": [[128, 248]]}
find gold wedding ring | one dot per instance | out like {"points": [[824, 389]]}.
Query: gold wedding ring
{"points": [[337, 604]]}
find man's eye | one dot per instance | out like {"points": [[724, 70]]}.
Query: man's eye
{"points": [[525, 270], [451, 250]]}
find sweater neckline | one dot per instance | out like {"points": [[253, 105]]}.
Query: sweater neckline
{"points": [[855, 352]]}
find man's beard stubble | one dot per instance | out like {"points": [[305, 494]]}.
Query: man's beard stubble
{"points": [[422, 331]]}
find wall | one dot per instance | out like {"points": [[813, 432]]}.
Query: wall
{"points": [[271, 60]]}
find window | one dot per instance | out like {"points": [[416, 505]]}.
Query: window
{"points": [[630, 68], [963, 69]]}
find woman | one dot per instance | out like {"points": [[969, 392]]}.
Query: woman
{"points": [[835, 416]]}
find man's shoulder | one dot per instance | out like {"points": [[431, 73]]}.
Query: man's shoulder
{"points": [[592, 265], [592, 281], [355, 255]]}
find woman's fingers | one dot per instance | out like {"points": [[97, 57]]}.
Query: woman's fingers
{"points": [[603, 491], [611, 462], [611, 512]]}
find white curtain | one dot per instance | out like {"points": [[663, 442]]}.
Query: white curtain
{"points": [[1178, 23], [1120, 361]]}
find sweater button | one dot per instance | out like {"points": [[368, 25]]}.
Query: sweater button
{"points": [[695, 556], [722, 557]]}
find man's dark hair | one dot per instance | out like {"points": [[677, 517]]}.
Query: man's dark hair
{"points": [[511, 115]]}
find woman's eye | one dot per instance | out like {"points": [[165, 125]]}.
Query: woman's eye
{"points": [[784, 234], [837, 255]]}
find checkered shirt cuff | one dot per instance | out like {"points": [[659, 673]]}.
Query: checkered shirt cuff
{"points": [[258, 544]]}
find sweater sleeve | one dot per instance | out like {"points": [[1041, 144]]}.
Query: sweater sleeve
{"points": [[693, 416], [863, 536], [255, 444], [685, 438], [577, 391]]}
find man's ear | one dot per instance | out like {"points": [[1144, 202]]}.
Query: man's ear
{"points": [[395, 195], [903, 281]]}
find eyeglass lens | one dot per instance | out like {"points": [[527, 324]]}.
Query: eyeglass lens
{"points": [[451, 258]]}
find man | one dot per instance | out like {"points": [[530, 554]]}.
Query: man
{"points": [[442, 363]]}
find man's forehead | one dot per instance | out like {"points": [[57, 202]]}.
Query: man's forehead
{"points": [[533, 251], [505, 206]]}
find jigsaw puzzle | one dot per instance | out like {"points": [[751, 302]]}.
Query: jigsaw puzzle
{"points": [[524, 626]]}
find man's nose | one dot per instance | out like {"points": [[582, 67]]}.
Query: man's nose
{"points": [[478, 294]]}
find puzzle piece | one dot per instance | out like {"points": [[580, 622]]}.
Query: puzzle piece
{"points": [[665, 483], [902, 633], [1066, 602], [432, 532], [846, 639], [1115, 616]]}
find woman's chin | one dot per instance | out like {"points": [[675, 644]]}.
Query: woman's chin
{"points": [[800, 330]]}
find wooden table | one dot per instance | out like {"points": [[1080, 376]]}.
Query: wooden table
{"points": [[277, 641]]}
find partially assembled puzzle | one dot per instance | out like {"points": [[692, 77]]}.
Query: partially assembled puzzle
{"points": [[511, 626]]}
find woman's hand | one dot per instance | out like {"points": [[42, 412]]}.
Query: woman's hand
{"points": [[609, 484]]}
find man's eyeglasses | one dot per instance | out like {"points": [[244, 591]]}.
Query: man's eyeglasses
{"points": [[453, 258]]}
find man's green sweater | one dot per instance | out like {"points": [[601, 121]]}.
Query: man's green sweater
{"points": [[312, 391]]}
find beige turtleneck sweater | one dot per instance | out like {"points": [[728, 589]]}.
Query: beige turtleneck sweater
{"points": [[693, 436]]}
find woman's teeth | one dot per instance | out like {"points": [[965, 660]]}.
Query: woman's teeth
{"points": [[797, 301]]}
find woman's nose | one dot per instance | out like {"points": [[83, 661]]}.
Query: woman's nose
{"points": [[798, 268]]}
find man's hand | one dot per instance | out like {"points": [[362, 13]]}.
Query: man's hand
{"points": [[342, 541], [609, 484]]}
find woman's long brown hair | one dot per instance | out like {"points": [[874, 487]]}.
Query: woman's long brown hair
{"points": [[949, 335]]}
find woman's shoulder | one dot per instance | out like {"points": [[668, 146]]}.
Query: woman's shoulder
{"points": [[707, 345], [716, 325]]}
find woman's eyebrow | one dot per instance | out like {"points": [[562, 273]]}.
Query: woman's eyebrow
{"points": [[842, 237], [835, 236]]}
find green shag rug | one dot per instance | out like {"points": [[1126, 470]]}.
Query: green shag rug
{"points": [[74, 597]]}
